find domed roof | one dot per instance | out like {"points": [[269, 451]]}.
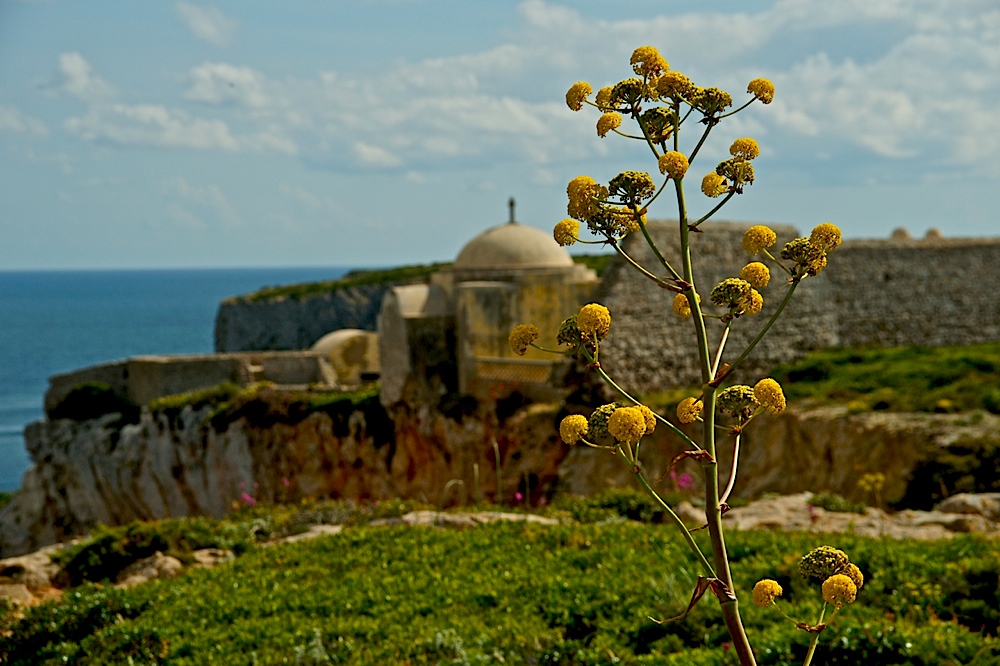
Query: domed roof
{"points": [[512, 245]]}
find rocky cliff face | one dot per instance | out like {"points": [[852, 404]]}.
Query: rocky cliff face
{"points": [[184, 464], [294, 323]]}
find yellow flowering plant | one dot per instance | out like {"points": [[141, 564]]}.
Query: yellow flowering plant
{"points": [[659, 107]]}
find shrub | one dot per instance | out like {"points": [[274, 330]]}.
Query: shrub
{"points": [[837, 503], [91, 400]]}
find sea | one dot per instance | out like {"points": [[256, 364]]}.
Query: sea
{"points": [[56, 321]]}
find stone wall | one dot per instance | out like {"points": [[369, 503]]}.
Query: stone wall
{"points": [[141, 379], [891, 292]]}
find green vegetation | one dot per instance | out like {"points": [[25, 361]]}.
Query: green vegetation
{"points": [[91, 400], [383, 277], [521, 593], [5, 497], [838, 503], [598, 262], [357, 278], [912, 379], [197, 398]]}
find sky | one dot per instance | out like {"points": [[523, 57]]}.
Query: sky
{"points": [[386, 132]]}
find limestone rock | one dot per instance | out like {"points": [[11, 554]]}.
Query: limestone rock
{"points": [[208, 558], [313, 532], [150, 568], [983, 504], [294, 323]]}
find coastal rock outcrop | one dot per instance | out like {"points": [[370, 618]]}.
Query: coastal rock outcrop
{"points": [[187, 463], [280, 323]]}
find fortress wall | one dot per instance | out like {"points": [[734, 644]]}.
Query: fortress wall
{"points": [[916, 292], [886, 292], [142, 379], [650, 348]]}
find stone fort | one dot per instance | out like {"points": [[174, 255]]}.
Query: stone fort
{"points": [[448, 334]]}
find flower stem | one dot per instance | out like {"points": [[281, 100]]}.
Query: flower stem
{"points": [[753, 343], [815, 639], [632, 262], [610, 382], [705, 564], [712, 212], [732, 472]]}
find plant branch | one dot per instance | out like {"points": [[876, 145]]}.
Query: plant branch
{"points": [[753, 343]]}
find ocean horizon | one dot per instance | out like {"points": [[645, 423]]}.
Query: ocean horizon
{"points": [[55, 321]]}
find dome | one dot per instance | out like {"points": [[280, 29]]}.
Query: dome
{"points": [[510, 246]]}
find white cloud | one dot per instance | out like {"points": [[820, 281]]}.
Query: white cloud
{"points": [[13, 120], [219, 82], [207, 23], [78, 79], [152, 125], [204, 200], [375, 156]]}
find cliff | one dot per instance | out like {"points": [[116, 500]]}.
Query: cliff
{"points": [[284, 322], [296, 316], [201, 462]]}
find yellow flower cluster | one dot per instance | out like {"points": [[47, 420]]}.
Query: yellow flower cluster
{"points": [[646, 61], [854, 573], [682, 307], [823, 562], [674, 84], [744, 149], [825, 236], [581, 192], [689, 410], [765, 592], [521, 337], [738, 401], [839, 590], [627, 424], [762, 89], [752, 303], [730, 292], [573, 428], [769, 394], [597, 424], [758, 238], [871, 482], [713, 185], [566, 232], [594, 320], [674, 164], [603, 98], [577, 93], [607, 122], [649, 417], [757, 274]]}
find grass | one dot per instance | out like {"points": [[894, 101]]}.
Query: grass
{"points": [[366, 277], [517, 594], [913, 379]]}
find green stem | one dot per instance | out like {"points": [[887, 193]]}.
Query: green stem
{"points": [[692, 544], [712, 212], [713, 515], [656, 250], [610, 382], [701, 142], [696, 314], [763, 331], [632, 262], [735, 111], [815, 639]]}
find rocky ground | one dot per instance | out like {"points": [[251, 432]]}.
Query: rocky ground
{"points": [[30, 579]]}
